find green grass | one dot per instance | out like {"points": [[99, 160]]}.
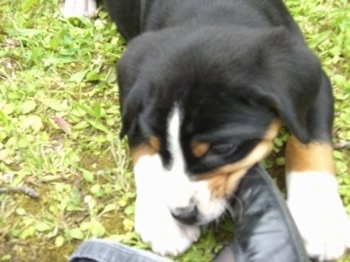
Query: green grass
{"points": [[59, 125]]}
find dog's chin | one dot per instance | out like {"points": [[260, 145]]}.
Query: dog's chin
{"points": [[204, 220], [212, 213]]}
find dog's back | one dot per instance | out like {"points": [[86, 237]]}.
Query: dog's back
{"points": [[135, 17]]}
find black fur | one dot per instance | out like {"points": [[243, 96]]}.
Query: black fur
{"points": [[231, 65]]}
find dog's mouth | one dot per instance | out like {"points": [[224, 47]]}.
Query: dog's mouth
{"points": [[199, 214], [186, 215]]}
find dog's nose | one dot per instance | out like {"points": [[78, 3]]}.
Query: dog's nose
{"points": [[187, 215]]}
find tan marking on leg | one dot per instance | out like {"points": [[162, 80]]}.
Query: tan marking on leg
{"points": [[199, 148], [314, 156], [142, 150], [150, 147]]}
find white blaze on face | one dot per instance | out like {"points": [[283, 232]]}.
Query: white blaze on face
{"points": [[179, 190]]}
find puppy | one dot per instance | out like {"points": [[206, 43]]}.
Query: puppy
{"points": [[204, 88]]}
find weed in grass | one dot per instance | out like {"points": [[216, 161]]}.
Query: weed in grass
{"points": [[60, 122]]}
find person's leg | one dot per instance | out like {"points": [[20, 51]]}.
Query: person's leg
{"points": [[99, 250]]}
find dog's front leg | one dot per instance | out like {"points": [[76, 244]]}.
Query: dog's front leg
{"points": [[314, 200], [153, 220], [312, 186]]}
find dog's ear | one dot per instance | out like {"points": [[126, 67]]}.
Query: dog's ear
{"points": [[289, 84], [291, 109], [132, 104], [129, 109]]}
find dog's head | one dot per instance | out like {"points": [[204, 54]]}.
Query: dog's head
{"points": [[208, 106]]}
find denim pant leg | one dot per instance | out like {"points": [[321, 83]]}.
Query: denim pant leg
{"points": [[99, 250]]}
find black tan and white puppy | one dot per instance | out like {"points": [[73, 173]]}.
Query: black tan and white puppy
{"points": [[204, 87]]}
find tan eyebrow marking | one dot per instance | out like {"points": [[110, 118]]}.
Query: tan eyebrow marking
{"points": [[199, 148]]}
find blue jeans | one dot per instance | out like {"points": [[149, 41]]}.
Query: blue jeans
{"points": [[100, 250]]}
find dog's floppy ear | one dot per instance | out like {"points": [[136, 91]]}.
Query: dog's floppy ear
{"points": [[289, 84], [131, 107], [292, 110]]}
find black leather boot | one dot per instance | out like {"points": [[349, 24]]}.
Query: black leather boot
{"points": [[264, 230]]}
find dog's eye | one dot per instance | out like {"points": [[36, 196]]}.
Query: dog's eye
{"points": [[223, 148]]}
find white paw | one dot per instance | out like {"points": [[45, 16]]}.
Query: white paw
{"points": [[79, 8], [153, 220], [319, 214], [156, 226]]}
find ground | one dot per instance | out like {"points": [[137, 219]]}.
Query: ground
{"points": [[59, 125]]}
